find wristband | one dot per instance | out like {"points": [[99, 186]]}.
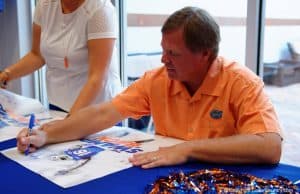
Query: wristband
{"points": [[4, 83], [7, 72]]}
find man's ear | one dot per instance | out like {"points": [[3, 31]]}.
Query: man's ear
{"points": [[205, 55]]}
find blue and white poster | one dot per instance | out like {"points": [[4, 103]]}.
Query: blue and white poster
{"points": [[72, 163]]}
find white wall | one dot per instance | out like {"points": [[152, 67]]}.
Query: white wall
{"points": [[15, 41]]}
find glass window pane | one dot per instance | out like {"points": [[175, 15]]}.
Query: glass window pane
{"points": [[145, 18], [282, 69]]}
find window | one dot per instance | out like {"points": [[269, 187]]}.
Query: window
{"points": [[145, 18], [282, 43], [281, 67]]}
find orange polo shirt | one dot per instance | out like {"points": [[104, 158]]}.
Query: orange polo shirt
{"points": [[230, 101]]}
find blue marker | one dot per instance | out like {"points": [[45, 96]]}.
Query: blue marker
{"points": [[30, 126]]}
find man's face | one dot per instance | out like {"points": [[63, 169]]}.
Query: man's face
{"points": [[181, 63]]}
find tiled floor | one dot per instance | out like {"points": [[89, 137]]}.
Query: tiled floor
{"points": [[286, 101]]}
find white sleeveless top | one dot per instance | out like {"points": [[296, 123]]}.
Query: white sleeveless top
{"points": [[67, 34]]}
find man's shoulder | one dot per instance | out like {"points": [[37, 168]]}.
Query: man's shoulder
{"points": [[234, 70]]}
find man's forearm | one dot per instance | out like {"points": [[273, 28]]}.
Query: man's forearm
{"points": [[263, 148], [84, 122]]}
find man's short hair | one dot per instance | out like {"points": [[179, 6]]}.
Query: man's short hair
{"points": [[200, 31]]}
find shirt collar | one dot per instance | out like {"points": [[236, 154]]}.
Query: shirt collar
{"points": [[212, 83]]}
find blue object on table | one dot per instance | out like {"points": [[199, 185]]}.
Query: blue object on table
{"points": [[3, 124], [30, 126], [83, 152]]}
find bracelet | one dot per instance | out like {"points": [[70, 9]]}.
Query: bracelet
{"points": [[7, 72], [3, 83]]}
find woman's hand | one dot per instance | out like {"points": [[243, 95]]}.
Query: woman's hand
{"points": [[4, 78]]}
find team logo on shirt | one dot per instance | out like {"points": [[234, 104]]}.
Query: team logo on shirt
{"points": [[216, 114]]}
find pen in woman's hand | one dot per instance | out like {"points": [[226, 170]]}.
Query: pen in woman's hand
{"points": [[30, 126]]}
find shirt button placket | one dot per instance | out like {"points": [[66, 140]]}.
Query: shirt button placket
{"points": [[190, 119]]}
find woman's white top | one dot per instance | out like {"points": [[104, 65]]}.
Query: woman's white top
{"points": [[67, 35]]}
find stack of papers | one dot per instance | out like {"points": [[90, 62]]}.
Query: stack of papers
{"points": [[19, 105], [14, 113]]}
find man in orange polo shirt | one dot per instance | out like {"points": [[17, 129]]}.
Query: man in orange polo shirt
{"points": [[217, 105]]}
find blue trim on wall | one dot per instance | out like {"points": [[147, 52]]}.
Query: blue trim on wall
{"points": [[1, 5]]}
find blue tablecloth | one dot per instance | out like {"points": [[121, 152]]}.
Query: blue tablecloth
{"points": [[15, 179]]}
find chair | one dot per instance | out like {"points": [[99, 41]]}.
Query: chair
{"points": [[287, 69]]}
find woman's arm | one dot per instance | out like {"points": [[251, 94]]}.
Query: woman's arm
{"points": [[32, 61], [100, 53]]}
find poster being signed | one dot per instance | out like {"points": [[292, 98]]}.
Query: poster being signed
{"points": [[71, 163]]}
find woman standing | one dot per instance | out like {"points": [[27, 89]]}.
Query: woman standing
{"points": [[76, 41]]}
